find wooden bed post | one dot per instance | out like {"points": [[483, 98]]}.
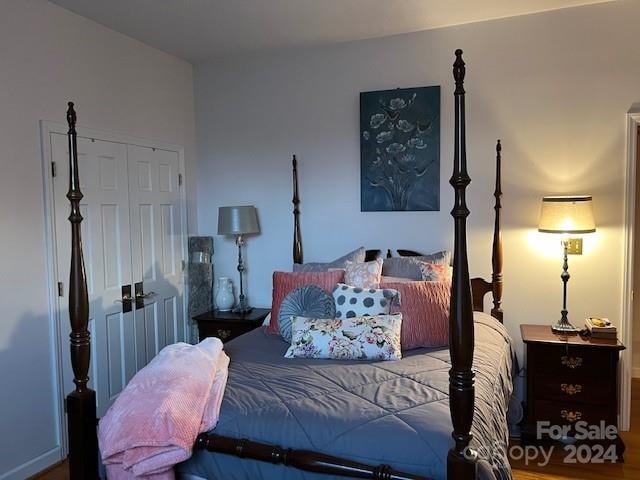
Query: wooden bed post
{"points": [[460, 460], [496, 253], [81, 403], [297, 238]]}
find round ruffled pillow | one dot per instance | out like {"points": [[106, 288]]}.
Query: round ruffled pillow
{"points": [[307, 301]]}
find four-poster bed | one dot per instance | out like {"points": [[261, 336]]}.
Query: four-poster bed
{"points": [[466, 296]]}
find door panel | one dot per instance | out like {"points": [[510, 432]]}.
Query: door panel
{"points": [[156, 232], [107, 254]]}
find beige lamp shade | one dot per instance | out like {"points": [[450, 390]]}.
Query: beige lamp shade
{"points": [[238, 220], [568, 214]]}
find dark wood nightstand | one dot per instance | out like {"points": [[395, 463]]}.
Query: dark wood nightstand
{"points": [[228, 325], [570, 379]]}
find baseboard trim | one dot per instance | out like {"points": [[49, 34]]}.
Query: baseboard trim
{"points": [[34, 466], [635, 372]]}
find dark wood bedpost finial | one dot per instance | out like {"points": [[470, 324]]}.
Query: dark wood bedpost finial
{"points": [[496, 255], [81, 403], [297, 238], [460, 460]]}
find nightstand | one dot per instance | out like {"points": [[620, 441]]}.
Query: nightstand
{"points": [[228, 325], [572, 384]]}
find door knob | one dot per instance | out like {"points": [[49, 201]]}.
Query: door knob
{"points": [[140, 295], [126, 299], [145, 295]]}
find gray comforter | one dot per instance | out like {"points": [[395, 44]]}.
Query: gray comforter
{"points": [[394, 412]]}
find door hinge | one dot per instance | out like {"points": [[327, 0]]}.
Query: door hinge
{"points": [[64, 403], [179, 179], [60, 289], [53, 169], [183, 265]]}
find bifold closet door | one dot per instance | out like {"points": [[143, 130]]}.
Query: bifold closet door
{"points": [[132, 237]]}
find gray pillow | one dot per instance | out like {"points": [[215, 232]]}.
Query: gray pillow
{"points": [[357, 256], [307, 301], [405, 267]]}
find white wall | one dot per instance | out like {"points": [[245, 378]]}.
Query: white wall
{"points": [[49, 56], [554, 87]]}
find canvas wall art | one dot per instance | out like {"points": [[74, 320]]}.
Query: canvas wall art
{"points": [[400, 150]]}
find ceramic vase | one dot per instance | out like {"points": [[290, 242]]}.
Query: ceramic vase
{"points": [[224, 294]]}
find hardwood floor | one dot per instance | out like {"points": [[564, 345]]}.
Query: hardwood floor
{"points": [[555, 470]]}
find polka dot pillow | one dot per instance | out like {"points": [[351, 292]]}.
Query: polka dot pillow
{"points": [[354, 302]]}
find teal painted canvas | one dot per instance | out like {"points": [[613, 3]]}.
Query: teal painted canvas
{"points": [[400, 150]]}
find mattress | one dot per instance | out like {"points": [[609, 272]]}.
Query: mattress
{"points": [[393, 412]]}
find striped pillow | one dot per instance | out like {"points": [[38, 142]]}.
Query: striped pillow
{"points": [[425, 313]]}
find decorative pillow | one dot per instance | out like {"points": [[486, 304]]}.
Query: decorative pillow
{"points": [[284, 282], [361, 302], [363, 275], [405, 267], [307, 301], [434, 272], [425, 310], [357, 256], [359, 338]]}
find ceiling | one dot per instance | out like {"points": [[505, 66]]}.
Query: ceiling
{"points": [[196, 30]]}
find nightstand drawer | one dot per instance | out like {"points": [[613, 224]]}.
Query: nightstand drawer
{"points": [[573, 388], [224, 332], [228, 325], [572, 360], [568, 413]]}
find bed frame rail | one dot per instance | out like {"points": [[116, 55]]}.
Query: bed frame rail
{"points": [[301, 459]]}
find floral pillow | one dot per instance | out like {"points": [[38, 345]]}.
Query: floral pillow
{"points": [[361, 302], [359, 338], [363, 275], [434, 272]]}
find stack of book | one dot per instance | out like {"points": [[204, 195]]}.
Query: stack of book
{"points": [[601, 328]]}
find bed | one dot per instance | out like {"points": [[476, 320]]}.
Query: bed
{"points": [[379, 420]]}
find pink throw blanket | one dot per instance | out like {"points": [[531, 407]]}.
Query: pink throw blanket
{"points": [[154, 422]]}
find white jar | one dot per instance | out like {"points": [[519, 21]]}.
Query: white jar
{"points": [[224, 294]]}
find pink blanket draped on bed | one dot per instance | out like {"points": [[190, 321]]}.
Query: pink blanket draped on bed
{"points": [[154, 422]]}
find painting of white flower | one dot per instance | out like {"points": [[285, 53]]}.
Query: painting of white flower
{"points": [[400, 150]]}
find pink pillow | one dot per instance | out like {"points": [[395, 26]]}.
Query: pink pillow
{"points": [[285, 282], [425, 313]]}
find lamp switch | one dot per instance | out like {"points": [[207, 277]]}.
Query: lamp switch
{"points": [[574, 246]]}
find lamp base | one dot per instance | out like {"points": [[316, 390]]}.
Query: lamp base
{"points": [[564, 327], [242, 307]]}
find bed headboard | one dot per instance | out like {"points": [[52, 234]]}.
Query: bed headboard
{"points": [[479, 286]]}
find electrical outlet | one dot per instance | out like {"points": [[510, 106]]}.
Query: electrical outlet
{"points": [[574, 246]]}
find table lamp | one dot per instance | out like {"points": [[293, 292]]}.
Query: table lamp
{"points": [[239, 221], [566, 215]]}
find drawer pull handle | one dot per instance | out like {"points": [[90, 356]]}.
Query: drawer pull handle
{"points": [[571, 362], [571, 389], [224, 334], [570, 415]]}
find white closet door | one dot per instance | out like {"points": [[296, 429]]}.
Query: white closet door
{"points": [[132, 233], [107, 256], [156, 232]]}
